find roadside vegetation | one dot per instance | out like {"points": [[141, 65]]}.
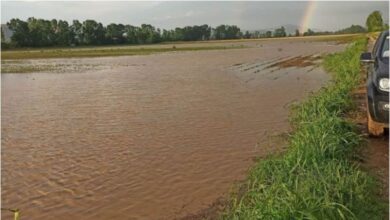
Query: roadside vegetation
{"points": [[318, 177]]}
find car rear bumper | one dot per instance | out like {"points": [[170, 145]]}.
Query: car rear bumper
{"points": [[378, 104]]}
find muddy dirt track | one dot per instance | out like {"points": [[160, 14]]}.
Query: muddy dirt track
{"points": [[374, 154], [161, 136]]}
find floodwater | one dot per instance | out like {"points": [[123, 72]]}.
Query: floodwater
{"points": [[146, 137]]}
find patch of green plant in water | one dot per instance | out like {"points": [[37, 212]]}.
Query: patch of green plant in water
{"points": [[26, 68]]}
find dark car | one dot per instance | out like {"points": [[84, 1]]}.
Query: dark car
{"points": [[378, 85]]}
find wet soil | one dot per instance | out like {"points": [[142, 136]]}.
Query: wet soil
{"points": [[299, 61], [374, 154], [375, 151]]}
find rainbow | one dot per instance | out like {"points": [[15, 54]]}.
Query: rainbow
{"points": [[305, 21]]}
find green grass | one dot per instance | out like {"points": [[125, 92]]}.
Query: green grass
{"points": [[317, 178], [98, 52], [341, 39]]}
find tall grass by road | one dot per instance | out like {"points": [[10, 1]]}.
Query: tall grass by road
{"points": [[317, 177]]}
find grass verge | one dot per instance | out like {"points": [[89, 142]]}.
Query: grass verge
{"points": [[317, 178], [98, 52]]}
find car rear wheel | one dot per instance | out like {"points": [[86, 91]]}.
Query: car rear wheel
{"points": [[375, 129]]}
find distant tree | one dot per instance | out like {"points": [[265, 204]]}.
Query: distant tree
{"points": [[256, 34], [148, 34], [227, 32], [76, 31], [297, 34], [63, 34], [196, 32], [268, 34], [247, 35], [166, 35], [21, 36], [309, 32], [280, 32], [352, 30], [206, 32], [374, 22], [115, 34], [232, 32], [42, 32], [130, 34], [220, 32], [191, 33], [93, 32]]}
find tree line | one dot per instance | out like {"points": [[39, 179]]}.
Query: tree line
{"points": [[42, 33], [374, 23], [45, 33]]}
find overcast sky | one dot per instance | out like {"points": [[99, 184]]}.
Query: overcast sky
{"points": [[247, 15]]}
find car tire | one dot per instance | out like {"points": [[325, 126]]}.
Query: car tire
{"points": [[375, 129]]}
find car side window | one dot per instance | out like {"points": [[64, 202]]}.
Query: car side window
{"points": [[385, 48]]}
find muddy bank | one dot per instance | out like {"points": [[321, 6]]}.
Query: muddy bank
{"points": [[374, 154], [146, 137]]}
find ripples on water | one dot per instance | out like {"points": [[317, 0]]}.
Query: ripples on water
{"points": [[160, 137]]}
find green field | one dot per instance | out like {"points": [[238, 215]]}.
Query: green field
{"points": [[317, 178]]}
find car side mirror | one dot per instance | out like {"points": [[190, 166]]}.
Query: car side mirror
{"points": [[366, 58]]}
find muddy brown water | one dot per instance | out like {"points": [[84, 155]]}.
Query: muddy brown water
{"points": [[146, 137]]}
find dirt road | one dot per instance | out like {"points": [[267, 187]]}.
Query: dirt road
{"points": [[375, 150]]}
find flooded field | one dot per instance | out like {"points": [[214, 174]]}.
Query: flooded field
{"points": [[160, 136]]}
